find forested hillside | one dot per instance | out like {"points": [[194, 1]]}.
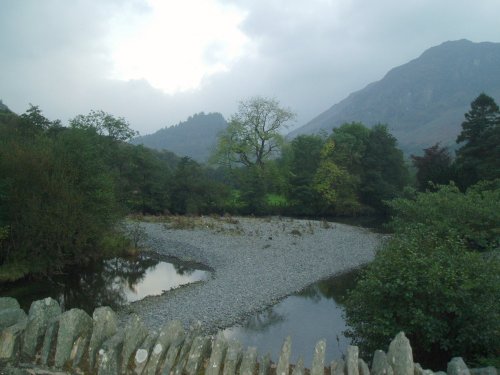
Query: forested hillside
{"points": [[195, 137], [423, 101]]}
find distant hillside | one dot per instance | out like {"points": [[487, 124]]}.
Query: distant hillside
{"points": [[423, 101], [195, 137], [3, 107]]}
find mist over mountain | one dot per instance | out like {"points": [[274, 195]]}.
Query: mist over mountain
{"points": [[424, 100], [196, 137]]}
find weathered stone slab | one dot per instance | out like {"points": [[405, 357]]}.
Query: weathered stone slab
{"points": [[198, 353], [283, 367], [168, 334], [337, 367], [363, 367], [172, 353], [11, 316], [380, 364], [218, 352], [249, 361], [73, 324], [265, 365], [318, 364], [490, 370], [351, 361], [9, 303], [41, 313], [105, 325], [10, 341], [48, 350], [457, 366], [79, 354], [299, 367], [186, 348], [135, 334], [109, 357], [233, 358], [142, 353], [400, 355]]}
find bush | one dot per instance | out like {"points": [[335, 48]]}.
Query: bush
{"points": [[473, 216], [442, 296]]}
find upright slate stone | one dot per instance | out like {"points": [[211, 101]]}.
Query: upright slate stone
{"points": [[337, 367], [283, 367], [233, 358], [217, 357], [400, 355], [299, 367], [135, 333], [249, 361], [265, 365], [109, 357], [457, 366], [9, 303], [172, 353], [318, 364], [10, 341], [142, 353], [48, 350], [194, 331], [380, 364], [75, 327], [351, 361], [363, 367], [171, 332], [105, 325], [11, 316], [198, 353], [41, 313]]}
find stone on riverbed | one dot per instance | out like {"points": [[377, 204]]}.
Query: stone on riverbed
{"points": [[41, 313]]}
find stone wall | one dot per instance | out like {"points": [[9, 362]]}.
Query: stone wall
{"points": [[49, 341]]}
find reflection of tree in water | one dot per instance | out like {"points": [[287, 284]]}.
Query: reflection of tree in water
{"points": [[101, 284], [183, 269], [267, 318], [335, 288]]}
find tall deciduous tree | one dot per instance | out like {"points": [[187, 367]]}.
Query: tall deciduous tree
{"points": [[253, 134], [104, 124], [479, 156]]}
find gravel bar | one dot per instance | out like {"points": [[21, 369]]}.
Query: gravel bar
{"points": [[256, 263]]}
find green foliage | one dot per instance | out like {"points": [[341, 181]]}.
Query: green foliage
{"points": [[479, 156], [104, 124], [473, 216], [442, 296], [253, 133]]}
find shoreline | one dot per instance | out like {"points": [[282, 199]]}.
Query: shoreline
{"points": [[256, 262]]}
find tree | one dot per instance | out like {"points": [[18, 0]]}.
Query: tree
{"points": [[479, 156], [434, 167], [104, 124], [253, 133]]}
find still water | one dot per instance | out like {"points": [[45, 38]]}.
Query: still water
{"points": [[307, 316], [114, 282]]}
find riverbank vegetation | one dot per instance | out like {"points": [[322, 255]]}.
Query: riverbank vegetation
{"points": [[65, 189]]}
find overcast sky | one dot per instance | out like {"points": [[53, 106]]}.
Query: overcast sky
{"points": [[156, 62]]}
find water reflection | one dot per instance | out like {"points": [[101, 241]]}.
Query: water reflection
{"points": [[308, 316], [115, 282]]}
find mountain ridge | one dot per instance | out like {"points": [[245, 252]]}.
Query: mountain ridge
{"points": [[424, 100]]}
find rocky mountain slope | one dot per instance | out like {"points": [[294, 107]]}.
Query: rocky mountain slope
{"points": [[423, 101]]}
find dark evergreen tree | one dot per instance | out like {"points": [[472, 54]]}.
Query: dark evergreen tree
{"points": [[479, 156], [434, 167]]}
